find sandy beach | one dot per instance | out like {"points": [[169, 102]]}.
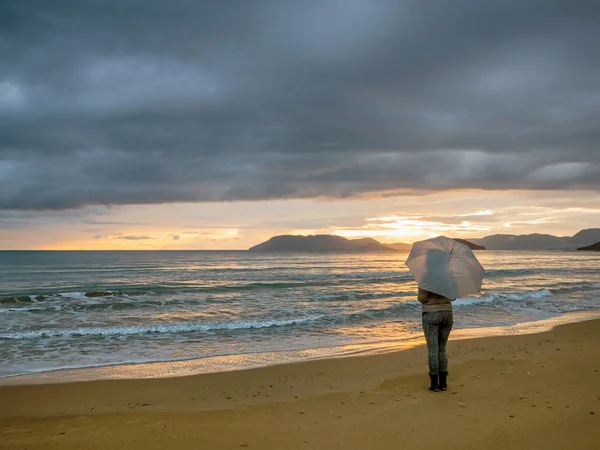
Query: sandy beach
{"points": [[509, 392]]}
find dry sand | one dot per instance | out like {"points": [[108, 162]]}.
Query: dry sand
{"points": [[539, 391]]}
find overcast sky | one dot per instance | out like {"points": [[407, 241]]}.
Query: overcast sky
{"points": [[256, 117]]}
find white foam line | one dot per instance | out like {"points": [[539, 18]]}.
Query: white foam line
{"points": [[511, 296], [152, 328]]}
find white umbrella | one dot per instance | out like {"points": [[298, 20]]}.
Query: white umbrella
{"points": [[446, 267]]}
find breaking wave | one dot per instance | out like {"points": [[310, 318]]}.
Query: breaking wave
{"points": [[176, 327]]}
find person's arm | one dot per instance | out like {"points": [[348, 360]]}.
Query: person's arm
{"points": [[422, 295]]}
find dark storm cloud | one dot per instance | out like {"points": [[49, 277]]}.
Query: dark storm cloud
{"points": [[14, 220], [112, 102]]}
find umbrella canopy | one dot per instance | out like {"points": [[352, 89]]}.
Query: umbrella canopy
{"points": [[446, 267]]}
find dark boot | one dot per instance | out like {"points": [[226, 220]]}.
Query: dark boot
{"points": [[443, 376], [434, 383]]}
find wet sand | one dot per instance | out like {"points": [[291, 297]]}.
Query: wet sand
{"points": [[508, 392]]}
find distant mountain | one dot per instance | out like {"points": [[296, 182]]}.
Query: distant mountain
{"points": [[330, 243], [399, 246], [523, 242], [405, 246], [594, 247], [367, 245], [586, 237], [539, 241], [470, 244], [319, 243]]}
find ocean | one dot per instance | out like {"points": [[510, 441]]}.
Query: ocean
{"points": [[86, 309]]}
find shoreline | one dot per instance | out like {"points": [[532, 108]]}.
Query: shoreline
{"points": [[521, 391], [256, 360]]}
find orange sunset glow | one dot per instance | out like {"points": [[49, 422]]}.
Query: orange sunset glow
{"points": [[241, 225]]}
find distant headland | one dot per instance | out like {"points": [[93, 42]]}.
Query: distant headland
{"points": [[588, 239], [591, 248], [331, 243]]}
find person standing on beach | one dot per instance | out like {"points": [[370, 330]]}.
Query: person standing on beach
{"points": [[437, 324]]}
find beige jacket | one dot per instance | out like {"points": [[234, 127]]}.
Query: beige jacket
{"points": [[434, 302]]}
